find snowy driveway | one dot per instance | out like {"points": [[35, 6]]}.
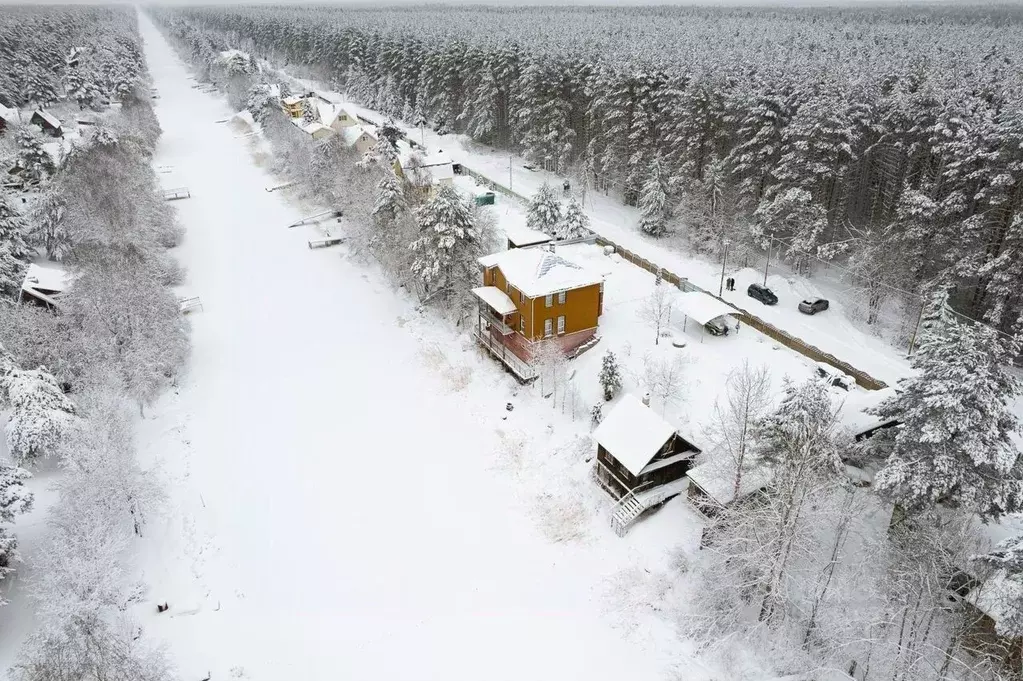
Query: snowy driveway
{"points": [[332, 511]]}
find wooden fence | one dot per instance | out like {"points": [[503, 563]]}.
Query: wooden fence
{"points": [[788, 340]]}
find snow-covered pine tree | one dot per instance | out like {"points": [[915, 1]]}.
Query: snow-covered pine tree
{"points": [[446, 251], [46, 227], [610, 376], [14, 500], [480, 112], [544, 211], [15, 254], [309, 112], [955, 446], [653, 201], [1007, 557], [40, 413], [1005, 272], [33, 161], [574, 222], [390, 201], [792, 215], [390, 132], [261, 102]]}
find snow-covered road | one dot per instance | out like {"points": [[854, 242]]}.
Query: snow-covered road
{"points": [[333, 510]]}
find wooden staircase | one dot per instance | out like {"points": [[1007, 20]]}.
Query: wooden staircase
{"points": [[625, 511]]}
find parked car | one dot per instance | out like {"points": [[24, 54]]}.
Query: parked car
{"points": [[762, 293], [813, 305], [834, 377], [717, 327]]}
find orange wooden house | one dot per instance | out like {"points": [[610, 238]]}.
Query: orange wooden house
{"points": [[532, 296]]}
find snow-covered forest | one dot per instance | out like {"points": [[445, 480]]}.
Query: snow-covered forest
{"points": [[339, 418], [74, 375], [884, 140]]}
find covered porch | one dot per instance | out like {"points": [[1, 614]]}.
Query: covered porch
{"points": [[495, 331]]}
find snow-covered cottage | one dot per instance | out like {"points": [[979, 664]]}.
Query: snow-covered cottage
{"points": [[531, 296], [292, 106], [49, 123], [43, 285], [336, 117], [358, 137], [427, 171], [316, 130], [641, 459]]}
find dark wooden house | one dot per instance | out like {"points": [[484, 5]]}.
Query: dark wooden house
{"points": [[638, 452], [49, 123]]}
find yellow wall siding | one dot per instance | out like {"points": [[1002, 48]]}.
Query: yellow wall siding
{"points": [[581, 307], [581, 310]]}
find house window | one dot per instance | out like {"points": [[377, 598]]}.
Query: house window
{"points": [[548, 328], [507, 288], [522, 325], [548, 300], [561, 298], [561, 325]]}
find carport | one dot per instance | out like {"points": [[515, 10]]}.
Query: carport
{"points": [[702, 308]]}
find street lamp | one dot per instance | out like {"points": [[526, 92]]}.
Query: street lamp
{"points": [[724, 259]]}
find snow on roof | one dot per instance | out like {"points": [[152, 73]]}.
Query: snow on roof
{"points": [[997, 597], [315, 127], [441, 172], [48, 278], [520, 236], [294, 99], [717, 479], [537, 271], [352, 133], [854, 404], [227, 55], [702, 307], [632, 433], [8, 114], [496, 299], [48, 117], [438, 158]]}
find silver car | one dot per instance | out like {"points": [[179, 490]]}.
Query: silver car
{"points": [[813, 305]]}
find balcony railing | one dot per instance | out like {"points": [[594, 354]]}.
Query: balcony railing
{"points": [[523, 370]]}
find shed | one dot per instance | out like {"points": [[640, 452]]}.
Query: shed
{"points": [[520, 237], [704, 309], [43, 285], [712, 485], [638, 451], [49, 123]]}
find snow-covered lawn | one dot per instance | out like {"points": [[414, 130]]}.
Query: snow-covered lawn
{"points": [[349, 497], [833, 331]]}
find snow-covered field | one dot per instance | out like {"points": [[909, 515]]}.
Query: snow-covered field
{"points": [[349, 496]]}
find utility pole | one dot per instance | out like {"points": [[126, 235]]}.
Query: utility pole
{"points": [[916, 330], [767, 265], [724, 259], [509, 172]]}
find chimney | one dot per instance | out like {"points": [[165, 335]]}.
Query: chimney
{"points": [[646, 399]]}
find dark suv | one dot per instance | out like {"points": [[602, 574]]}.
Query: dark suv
{"points": [[813, 305], [762, 293]]}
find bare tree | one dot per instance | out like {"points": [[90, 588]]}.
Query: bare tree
{"points": [[666, 379], [746, 399], [550, 363], [657, 308]]}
